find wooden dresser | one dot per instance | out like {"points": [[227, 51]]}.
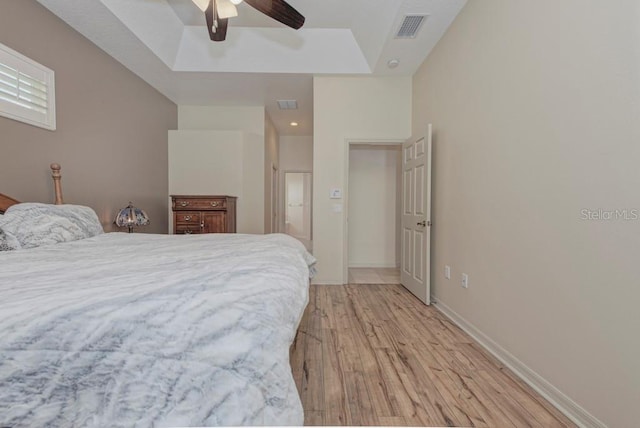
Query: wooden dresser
{"points": [[203, 214]]}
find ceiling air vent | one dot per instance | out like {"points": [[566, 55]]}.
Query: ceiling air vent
{"points": [[288, 104], [410, 26]]}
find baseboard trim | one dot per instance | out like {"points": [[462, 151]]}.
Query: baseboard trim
{"points": [[373, 265], [326, 282], [556, 397]]}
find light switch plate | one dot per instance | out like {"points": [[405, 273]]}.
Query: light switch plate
{"points": [[447, 272], [336, 194], [337, 208]]}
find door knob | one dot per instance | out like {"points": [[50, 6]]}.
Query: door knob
{"points": [[422, 223]]}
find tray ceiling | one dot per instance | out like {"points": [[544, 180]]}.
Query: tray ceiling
{"points": [[166, 43]]}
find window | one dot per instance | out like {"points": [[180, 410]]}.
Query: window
{"points": [[27, 90]]}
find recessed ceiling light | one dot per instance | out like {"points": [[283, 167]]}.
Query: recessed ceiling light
{"points": [[294, 123], [393, 63]]}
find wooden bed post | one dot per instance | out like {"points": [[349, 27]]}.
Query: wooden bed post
{"points": [[55, 173]]}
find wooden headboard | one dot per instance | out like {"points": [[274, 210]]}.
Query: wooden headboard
{"points": [[7, 201]]}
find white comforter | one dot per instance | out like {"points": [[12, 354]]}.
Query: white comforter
{"points": [[151, 330]]}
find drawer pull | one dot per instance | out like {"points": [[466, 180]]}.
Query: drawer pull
{"points": [[184, 204], [187, 218], [215, 204]]}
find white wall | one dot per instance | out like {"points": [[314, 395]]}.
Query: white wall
{"points": [[221, 150], [225, 165], [253, 183], [242, 118], [373, 206], [357, 108], [535, 107], [296, 153]]}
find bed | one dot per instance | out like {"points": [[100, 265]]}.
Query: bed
{"points": [[125, 329]]}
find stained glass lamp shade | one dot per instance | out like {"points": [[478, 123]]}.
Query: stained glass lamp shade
{"points": [[131, 217]]}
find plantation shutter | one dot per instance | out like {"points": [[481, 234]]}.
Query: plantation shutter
{"points": [[26, 90]]}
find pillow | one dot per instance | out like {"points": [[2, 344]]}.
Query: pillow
{"points": [[7, 243], [34, 225]]}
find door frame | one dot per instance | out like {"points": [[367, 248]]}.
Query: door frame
{"points": [[345, 193], [275, 199]]}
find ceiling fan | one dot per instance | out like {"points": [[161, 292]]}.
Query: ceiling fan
{"points": [[218, 13]]}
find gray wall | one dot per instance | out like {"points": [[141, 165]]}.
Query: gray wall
{"points": [[111, 136], [535, 108]]}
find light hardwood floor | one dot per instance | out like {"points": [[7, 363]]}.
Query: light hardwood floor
{"points": [[374, 275], [375, 355]]}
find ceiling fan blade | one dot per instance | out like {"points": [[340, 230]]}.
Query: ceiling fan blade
{"points": [[220, 33], [279, 10]]}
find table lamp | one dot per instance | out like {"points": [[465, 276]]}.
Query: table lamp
{"points": [[131, 217]]}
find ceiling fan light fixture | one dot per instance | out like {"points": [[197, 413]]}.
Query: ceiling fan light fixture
{"points": [[202, 4], [226, 9]]}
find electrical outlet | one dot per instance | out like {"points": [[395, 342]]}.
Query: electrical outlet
{"points": [[447, 272], [465, 280]]}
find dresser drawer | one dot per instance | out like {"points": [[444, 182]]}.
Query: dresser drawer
{"points": [[188, 229], [200, 204], [188, 217]]}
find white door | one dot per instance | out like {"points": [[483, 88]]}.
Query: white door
{"points": [[297, 215], [415, 269]]}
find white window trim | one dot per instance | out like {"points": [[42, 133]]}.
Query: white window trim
{"points": [[12, 110]]}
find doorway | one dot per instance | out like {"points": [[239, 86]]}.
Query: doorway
{"points": [[412, 203], [298, 197], [374, 213]]}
